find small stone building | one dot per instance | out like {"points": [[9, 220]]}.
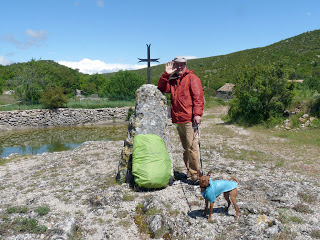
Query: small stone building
{"points": [[225, 92], [296, 81]]}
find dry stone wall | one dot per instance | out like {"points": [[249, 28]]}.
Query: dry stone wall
{"points": [[39, 118]]}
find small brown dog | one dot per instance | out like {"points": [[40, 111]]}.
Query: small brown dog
{"points": [[210, 190]]}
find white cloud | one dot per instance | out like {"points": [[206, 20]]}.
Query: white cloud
{"points": [[32, 38], [309, 13], [37, 35], [100, 3], [4, 61], [96, 66]]}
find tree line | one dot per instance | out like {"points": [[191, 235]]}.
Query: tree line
{"points": [[45, 79]]}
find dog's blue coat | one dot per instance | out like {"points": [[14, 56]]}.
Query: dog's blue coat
{"points": [[216, 188]]}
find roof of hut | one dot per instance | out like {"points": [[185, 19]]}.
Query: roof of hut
{"points": [[297, 81], [228, 87]]}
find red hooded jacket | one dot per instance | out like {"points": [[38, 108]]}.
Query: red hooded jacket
{"points": [[186, 95]]}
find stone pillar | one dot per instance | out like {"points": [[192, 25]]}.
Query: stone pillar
{"points": [[150, 117]]}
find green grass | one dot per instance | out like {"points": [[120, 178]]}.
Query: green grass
{"points": [[18, 209], [249, 155], [20, 225], [307, 197], [22, 107], [287, 234], [7, 99], [99, 104], [315, 233], [285, 218], [89, 104], [28, 225], [42, 210], [3, 161], [153, 211], [303, 137], [141, 221], [128, 197], [124, 223], [214, 102], [302, 208]]}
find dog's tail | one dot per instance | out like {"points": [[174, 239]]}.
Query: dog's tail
{"points": [[234, 179]]}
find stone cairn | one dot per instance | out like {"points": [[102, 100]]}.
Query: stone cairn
{"points": [[150, 117]]}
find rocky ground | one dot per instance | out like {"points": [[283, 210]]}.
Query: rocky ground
{"points": [[73, 194]]}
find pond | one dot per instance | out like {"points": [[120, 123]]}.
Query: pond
{"points": [[35, 141]]}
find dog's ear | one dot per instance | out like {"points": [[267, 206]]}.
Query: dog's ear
{"points": [[199, 173], [209, 173]]}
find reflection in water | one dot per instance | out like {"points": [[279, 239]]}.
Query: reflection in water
{"points": [[34, 141]]}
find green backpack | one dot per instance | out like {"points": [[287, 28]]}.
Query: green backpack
{"points": [[151, 163]]}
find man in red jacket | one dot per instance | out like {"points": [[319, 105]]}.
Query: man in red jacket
{"points": [[186, 109]]}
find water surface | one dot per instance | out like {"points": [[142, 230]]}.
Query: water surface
{"points": [[35, 141]]}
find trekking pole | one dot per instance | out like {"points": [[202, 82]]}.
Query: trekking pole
{"points": [[200, 150], [196, 127]]}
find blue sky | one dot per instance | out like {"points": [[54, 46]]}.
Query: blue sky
{"points": [[99, 36]]}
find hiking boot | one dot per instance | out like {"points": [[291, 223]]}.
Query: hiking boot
{"points": [[194, 180], [171, 180], [179, 176]]}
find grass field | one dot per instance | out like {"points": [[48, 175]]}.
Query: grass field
{"points": [[8, 103], [296, 149]]}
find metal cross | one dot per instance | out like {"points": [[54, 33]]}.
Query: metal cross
{"points": [[149, 60]]}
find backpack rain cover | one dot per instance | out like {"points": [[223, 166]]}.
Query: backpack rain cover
{"points": [[151, 163]]}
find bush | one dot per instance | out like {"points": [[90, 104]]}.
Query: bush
{"points": [[130, 112], [261, 92], [123, 85], [315, 106], [53, 98]]}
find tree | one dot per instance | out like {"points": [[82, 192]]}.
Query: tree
{"points": [[123, 85], [53, 98], [93, 84], [27, 82], [261, 92]]}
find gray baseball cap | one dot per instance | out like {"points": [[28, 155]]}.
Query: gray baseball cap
{"points": [[180, 59]]}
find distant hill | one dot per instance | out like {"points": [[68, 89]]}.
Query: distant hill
{"points": [[303, 52], [52, 73]]}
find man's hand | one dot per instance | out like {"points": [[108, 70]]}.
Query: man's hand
{"points": [[197, 119], [169, 68]]}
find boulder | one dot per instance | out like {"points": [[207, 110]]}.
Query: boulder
{"points": [[150, 117]]}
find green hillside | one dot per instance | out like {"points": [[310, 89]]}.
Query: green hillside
{"points": [[302, 51], [46, 72]]}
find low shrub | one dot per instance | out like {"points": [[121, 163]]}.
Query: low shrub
{"points": [[261, 92], [53, 98], [42, 210]]}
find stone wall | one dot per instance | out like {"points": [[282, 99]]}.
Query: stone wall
{"points": [[39, 118], [224, 95]]}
